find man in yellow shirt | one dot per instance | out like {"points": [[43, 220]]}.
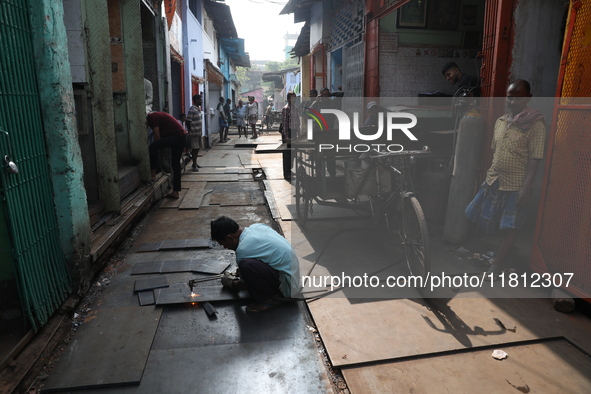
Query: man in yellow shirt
{"points": [[518, 145]]}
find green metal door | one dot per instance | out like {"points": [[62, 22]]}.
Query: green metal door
{"points": [[27, 196]]}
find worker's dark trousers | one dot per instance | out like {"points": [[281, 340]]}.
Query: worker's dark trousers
{"points": [[287, 162], [261, 279], [176, 143]]}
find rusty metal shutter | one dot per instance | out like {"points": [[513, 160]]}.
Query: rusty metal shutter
{"points": [[562, 241]]}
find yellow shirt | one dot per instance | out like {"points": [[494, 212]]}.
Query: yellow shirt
{"points": [[514, 148]]}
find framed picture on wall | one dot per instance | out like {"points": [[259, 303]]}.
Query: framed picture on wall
{"points": [[413, 14], [469, 13], [444, 14]]}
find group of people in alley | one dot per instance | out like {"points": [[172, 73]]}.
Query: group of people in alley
{"points": [[267, 265]]}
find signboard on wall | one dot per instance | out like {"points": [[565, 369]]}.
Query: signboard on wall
{"points": [[389, 42]]}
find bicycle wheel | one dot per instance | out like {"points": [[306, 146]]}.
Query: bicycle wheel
{"points": [[302, 201], [415, 237]]}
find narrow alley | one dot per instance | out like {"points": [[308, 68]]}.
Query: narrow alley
{"points": [[295, 196]]}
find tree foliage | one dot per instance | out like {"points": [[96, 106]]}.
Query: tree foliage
{"points": [[272, 66]]}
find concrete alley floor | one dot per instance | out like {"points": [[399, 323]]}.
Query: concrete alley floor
{"points": [[380, 343], [121, 346]]}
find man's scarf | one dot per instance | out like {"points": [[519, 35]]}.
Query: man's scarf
{"points": [[526, 118]]}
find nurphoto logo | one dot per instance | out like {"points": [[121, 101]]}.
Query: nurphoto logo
{"points": [[375, 133]]}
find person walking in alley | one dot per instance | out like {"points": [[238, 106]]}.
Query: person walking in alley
{"points": [[518, 145], [455, 76], [240, 113], [228, 113], [195, 128], [168, 133], [268, 267], [253, 115]]}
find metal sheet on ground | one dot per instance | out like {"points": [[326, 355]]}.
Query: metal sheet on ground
{"points": [[236, 368], [270, 148], [159, 267], [197, 243], [269, 196], [212, 266], [172, 202], [194, 223], [248, 159], [254, 197], [238, 171], [180, 293], [150, 283], [272, 165], [149, 247], [550, 367], [245, 177], [194, 196], [209, 266], [173, 244], [109, 350], [234, 325], [198, 177], [146, 297], [419, 328]]}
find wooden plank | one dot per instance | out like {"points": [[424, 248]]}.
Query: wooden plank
{"points": [[194, 196], [171, 202], [197, 177], [146, 297]]}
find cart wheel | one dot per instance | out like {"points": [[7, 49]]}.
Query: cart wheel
{"points": [[415, 237], [302, 201]]}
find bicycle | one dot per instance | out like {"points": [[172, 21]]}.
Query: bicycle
{"points": [[400, 202], [389, 194]]}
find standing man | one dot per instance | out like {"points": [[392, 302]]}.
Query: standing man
{"points": [[168, 133], [268, 266], [286, 128], [222, 121], [195, 127], [518, 145], [269, 116], [453, 74], [228, 113], [240, 113], [253, 115]]}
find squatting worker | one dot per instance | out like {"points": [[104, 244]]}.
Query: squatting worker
{"points": [[518, 145], [168, 133], [267, 264]]}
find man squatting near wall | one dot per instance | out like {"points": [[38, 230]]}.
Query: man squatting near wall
{"points": [[267, 265], [518, 144]]}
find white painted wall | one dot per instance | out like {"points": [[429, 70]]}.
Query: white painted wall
{"points": [[411, 71]]}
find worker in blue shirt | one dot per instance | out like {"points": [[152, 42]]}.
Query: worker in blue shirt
{"points": [[268, 267]]}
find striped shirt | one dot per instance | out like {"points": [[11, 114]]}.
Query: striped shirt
{"points": [[194, 116]]}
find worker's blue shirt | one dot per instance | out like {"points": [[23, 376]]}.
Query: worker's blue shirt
{"points": [[261, 242]]}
